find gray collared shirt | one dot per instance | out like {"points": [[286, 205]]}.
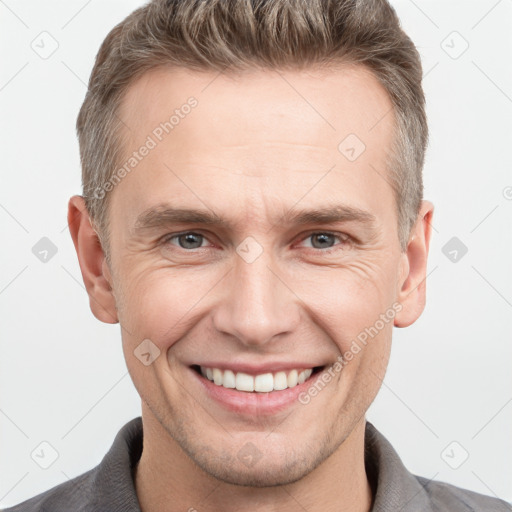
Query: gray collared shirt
{"points": [[109, 486]]}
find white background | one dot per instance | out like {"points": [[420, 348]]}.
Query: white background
{"points": [[62, 374]]}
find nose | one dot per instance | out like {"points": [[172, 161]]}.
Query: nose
{"points": [[257, 304]]}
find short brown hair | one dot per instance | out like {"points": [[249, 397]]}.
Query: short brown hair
{"points": [[244, 34]]}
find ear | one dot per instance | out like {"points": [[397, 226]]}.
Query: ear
{"points": [[412, 292], [95, 271]]}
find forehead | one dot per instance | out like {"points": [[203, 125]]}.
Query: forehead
{"points": [[251, 106], [278, 130]]}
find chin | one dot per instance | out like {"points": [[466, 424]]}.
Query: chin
{"points": [[273, 463], [262, 475]]}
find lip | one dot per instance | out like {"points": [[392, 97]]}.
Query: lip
{"points": [[254, 403]]}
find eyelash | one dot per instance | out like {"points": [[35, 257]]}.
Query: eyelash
{"points": [[342, 237]]}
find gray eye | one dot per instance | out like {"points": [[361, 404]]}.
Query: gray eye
{"points": [[190, 240], [324, 240]]}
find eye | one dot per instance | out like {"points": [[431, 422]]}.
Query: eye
{"points": [[188, 240], [325, 241], [321, 241]]}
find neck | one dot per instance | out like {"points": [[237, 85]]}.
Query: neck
{"points": [[167, 480]]}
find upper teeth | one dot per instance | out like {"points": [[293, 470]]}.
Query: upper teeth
{"points": [[262, 383]]}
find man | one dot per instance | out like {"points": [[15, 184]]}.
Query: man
{"points": [[253, 218]]}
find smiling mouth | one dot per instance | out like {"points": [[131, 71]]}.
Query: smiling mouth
{"points": [[261, 383]]}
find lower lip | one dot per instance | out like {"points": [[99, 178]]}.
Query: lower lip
{"points": [[254, 403]]}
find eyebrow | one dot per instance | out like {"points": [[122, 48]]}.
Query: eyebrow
{"points": [[163, 215]]}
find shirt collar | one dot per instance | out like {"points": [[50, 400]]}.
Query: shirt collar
{"points": [[396, 488]]}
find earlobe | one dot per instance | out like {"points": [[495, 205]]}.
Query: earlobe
{"points": [[412, 292], [91, 258]]}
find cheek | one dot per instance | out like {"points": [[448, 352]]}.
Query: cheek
{"points": [[160, 304], [343, 302]]}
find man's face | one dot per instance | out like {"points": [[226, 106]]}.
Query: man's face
{"points": [[265, 291]]}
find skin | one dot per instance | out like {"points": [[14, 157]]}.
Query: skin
{"points": [[253, 149]]}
